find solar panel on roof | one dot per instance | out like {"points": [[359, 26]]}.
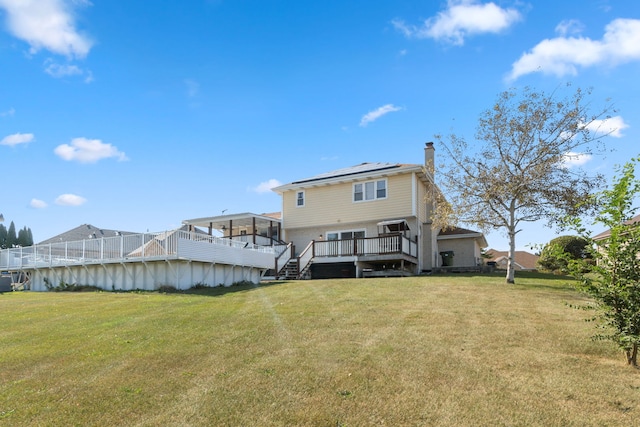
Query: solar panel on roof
{"points": [[361, 168]]}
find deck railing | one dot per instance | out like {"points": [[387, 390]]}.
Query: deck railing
{"points": [[257, 238], [109, 249], [381, 245], [305, 258], [283, 258]]}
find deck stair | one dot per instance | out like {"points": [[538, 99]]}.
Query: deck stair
{"points": [[305, 272], [290, 270]]}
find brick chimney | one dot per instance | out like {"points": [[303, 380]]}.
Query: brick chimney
{"points": [[429, 158]]}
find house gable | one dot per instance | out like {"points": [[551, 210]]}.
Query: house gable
{"points": [[369, 192]]}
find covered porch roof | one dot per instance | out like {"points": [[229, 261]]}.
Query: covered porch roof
{"points": [[247, 220], [394, 226]]}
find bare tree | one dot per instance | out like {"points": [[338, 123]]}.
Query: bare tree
{"points": [[520, 167]]}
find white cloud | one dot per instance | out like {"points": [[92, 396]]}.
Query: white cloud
{"points": [[37, 204], [562, 56], [266, 186], [572, 159], [88, 76], [63, 70], [612, 126], [57, 70], [408, 30], [17, 138], [9, 113], [462, 18], [569, 26], [70, 200], [47, 24], [374, 115], [86, 150]]}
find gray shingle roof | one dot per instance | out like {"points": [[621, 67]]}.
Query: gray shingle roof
{"points": [[607, 233], [352, 170], [84, 231]]}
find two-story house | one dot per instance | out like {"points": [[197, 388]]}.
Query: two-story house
{"points": [[370, 219]]}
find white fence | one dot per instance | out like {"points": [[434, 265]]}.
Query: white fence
{"points": [[132, 247]]}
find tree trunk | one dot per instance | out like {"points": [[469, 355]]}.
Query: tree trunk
{"points": [[632, 355], [511, 274]]}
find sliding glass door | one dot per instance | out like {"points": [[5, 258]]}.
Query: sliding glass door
{"points": [[348, 242]]}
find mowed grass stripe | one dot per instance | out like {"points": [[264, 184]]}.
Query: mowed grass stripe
{"points": [[439, 350]]}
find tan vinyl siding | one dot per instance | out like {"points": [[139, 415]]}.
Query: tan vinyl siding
{"points": [[421, 200], [466, 252], [333, 204]]}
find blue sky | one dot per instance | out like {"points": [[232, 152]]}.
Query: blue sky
{"points": [[136, 115]]}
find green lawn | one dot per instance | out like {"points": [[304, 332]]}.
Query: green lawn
{"points": [[434, 351]]}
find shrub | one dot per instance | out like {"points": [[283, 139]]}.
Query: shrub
{"points": [[69, 287], [559, 252]]}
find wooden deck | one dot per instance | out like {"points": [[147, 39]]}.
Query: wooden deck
{"points": [[381, 249], [141, 261]]}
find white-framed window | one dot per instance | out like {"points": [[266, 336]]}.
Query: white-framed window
{"points": [[370, 190], [300, 199]]}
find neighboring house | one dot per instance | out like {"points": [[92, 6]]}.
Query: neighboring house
{"points": [[85, 239], [600, 239], [607, 233], [523, 260], [82, 232]]}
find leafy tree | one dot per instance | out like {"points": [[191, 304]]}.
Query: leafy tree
{"points": [[25, 238], [518, 170], [21, 237], [8, 238], [3, 237], [12, 238], [614, 280], [558, 251]]}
